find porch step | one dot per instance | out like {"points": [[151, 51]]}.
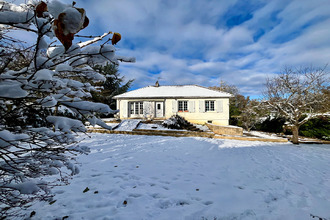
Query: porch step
{"points": [[189, 126]]}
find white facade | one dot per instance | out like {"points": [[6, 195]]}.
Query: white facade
{"points": [[201, 106]]}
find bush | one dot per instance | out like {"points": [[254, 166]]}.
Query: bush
{"points": [[274, 125], [175, 122], [316, 128]]}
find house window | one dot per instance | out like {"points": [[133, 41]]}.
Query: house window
{"points": [[136, 108], [141, 108], [209, 106], [182, 106]]}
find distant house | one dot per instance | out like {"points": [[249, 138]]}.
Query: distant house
{"points": [[196, 104]]}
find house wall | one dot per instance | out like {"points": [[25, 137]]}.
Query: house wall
{"points": [[196, 110], [196, 113], [148, 111]]}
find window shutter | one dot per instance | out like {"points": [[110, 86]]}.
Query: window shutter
{"points": [[191, 106], [202, 106], [219, 106], [124, 110], [174, 106]]}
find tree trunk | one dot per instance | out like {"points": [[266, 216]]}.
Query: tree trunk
{"points": [[295, 133]]}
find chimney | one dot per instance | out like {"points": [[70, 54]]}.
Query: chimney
{"points": [[157, 84]]}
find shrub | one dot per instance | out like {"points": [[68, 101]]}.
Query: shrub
{"points": [[317, 128], [175, 122], [274, 125]]}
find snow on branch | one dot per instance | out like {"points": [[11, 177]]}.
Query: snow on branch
{"points": [[45, 91], [299, 94]]}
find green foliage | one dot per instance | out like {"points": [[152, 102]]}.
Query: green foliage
{"points": [[274, 125], [317, 128], [114, 85], [14, 117], [233, 113]]}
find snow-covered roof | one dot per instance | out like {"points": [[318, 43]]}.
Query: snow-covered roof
{"points": [[183, 91]]}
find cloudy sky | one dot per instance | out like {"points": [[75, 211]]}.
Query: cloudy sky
{"points": [[205, 41]]}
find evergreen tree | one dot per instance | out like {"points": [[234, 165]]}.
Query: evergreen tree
{"points": [[112, 86]]}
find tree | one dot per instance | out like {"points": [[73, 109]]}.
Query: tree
{"points": [[251, 113], [112, 86], [242, 110], [297, 92], [35, 140]]}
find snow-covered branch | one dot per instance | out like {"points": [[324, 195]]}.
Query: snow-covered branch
{"points": [[298, 91], [44, 92]]}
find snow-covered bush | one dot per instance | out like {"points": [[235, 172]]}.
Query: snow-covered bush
{"points": [[37, 84], [175, 122]]}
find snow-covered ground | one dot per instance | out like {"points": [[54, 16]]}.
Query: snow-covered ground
{"points": [[263, 134], [153, 177]]}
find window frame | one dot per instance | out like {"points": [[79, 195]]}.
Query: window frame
{"points": [[183, 106], [209, 105], [136, 108]]}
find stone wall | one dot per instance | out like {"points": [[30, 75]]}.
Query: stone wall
{"points": [[225, 130]]}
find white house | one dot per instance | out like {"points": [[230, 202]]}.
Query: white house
{"points": [[196, 104]]}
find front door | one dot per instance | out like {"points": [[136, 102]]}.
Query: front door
{"points": [[159, 109]]}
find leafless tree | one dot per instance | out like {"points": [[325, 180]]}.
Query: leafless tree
{"points": [[298, 94], [251, 113]]}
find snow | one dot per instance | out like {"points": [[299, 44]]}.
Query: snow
{"points": [[86, 106], [43, 74], [73, 20], [96, 121], [66, 124], [108, 51], [128, 125], [153, 177], [26, 187], [15, 16], [48, 101], [43, 62], [63, 67], [173, 91], [263, 135], [56, 7], [7, 136], [55, 51], [12, 89]]}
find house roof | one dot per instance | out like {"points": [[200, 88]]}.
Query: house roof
{"points": [[184, 91]]}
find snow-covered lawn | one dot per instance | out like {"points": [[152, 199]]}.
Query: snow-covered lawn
{"points": [[153, 177]]}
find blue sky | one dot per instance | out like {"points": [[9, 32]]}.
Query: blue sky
{"points": [[205, 41]]}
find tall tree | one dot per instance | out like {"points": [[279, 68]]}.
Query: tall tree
{"points": [[237, 104], [34, 139], [112, 86], [297, 94]]}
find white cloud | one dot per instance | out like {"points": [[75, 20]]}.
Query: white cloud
{"points": [[188, 42]]}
